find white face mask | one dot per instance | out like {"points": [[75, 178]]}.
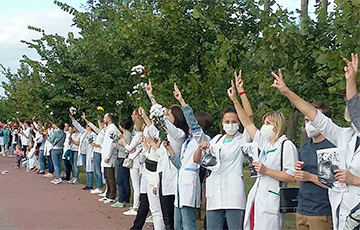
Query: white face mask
{"points": [[231, 129], [311, 131], [267, 131]]}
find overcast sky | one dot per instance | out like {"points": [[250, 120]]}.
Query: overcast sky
{"points": [[16, 15]]}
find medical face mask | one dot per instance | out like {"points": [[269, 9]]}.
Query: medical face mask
{"points": [[311, 131], [267, 131], [231, 129]]}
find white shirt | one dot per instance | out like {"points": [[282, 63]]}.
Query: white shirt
{"points": [[108, 151]]}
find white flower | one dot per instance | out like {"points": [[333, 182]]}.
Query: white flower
{"points": [[17, 112], [135, 91], [133, 73], [157, 110], [72, 110], [128, 93], [51, 113], [47, 106], [143, 85], [137, 69], [142, 75], [119, 102]]}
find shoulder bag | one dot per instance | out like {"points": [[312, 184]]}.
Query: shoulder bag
{"points": [[288, 196]]}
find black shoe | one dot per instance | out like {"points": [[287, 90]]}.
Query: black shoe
{"points": [[40, 172], [84, 188], [88, 188]]}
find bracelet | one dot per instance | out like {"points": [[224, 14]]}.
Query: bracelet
{"points": [[242, 92]]}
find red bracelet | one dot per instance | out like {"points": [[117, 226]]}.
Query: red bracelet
{"points": [[242, 92]]}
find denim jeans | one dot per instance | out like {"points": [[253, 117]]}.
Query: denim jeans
{"points": [[185, 218], [50, 162], [42, 160], [12, 148], [97, 170], [56, 155], [123, 181], [234, 218], [90, 179], [75, 168]]}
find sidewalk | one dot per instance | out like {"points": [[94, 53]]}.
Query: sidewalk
{"points": [[30, 201]]}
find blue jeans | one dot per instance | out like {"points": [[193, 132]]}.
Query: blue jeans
{"points": [[90, 179], [234, 218], [12, 148], [97, 170], [75, 168], [50, 162], [56, 155], [185, 218], [123, 181], [42, 160]]}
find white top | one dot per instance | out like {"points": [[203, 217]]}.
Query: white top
{"points": [[344, 139], [100, 137], [135, 144], [15, 131], [75, 137], [67, 141], [225, 187], [26, 140], [108, 151]]}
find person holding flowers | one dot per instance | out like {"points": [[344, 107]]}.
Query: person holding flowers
{"points": [[177, 132], [85, 151]]}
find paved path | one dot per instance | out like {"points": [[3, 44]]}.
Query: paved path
{"points": [[30, 201]]}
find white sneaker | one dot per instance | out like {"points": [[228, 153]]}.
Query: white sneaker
{"points": [[96, 191], [48, 175], [108, 201], [72, 180], [102, 199], [130, 212], [103, 194], [149, 219], [53, 181], [58, 181]]}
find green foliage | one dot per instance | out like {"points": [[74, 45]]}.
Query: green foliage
{"points": [[197, 44]]}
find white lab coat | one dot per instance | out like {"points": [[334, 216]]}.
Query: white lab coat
{"points": [[264, 192], [176, 138], [344, 139], [188, 181], [48, 146], [225, 187], [107, 148]]}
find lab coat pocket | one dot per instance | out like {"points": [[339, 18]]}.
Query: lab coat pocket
{"points": [[272, 202]]}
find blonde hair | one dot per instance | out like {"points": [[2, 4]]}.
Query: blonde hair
{"points": [[139, 123], [279, 121]]}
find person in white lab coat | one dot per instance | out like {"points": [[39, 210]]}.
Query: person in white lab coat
{"points": [[187, 197], [346, 140], [177, 132], [109, 156], [225, 190], [262, 207]]}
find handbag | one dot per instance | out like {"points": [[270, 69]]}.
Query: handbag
{"points": [[288, 196], [128, 163]]}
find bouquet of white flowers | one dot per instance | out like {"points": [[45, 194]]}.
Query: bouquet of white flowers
{"points": [[72, 110], [158, 116]]}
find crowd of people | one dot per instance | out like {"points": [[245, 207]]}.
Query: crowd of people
{"points": [[166, 172]]}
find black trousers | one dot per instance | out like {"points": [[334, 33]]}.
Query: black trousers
{"points": [[167, 207], [142, 212], [109, 173], [68, 169]]}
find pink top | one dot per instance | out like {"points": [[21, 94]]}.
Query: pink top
{"points": [[19, 153]]}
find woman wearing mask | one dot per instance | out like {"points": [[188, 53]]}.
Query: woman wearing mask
{"points": [[225, 191], [262, 207]]}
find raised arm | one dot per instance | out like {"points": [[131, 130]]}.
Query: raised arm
{"points": [[77, 124], [241, 91], [243, 116], [305, 107], [351, 69], [142, 113], [149, 93]]}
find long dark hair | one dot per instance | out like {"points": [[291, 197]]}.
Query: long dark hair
{"points": [[179, 119], [231, 110]]}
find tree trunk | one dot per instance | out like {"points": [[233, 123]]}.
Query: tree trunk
{"points": [[325, 3], [304, 6], [292, 124]]}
